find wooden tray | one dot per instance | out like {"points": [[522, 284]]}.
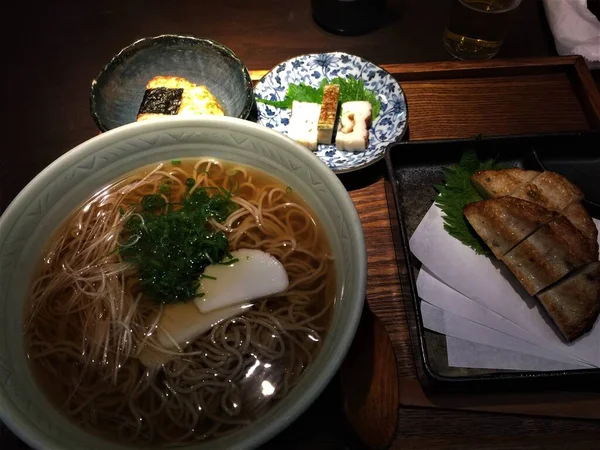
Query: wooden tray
{"points": [[460, 100], [455, 100]]}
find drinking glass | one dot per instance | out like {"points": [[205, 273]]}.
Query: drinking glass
{"points": [[477, 28]]}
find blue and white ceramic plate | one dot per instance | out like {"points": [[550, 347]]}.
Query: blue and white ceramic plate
{"points": [[388, 127]]}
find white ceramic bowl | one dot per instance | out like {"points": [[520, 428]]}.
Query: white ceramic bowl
{"points": [[55, 192]]}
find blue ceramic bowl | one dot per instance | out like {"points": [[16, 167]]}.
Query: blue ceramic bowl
{"points": [[119, 88]]}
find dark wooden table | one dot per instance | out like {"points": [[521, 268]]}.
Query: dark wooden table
{"points": [[48, 67]]}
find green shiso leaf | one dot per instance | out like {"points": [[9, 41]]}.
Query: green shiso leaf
{"points": [[351, 89], [456, 193]]}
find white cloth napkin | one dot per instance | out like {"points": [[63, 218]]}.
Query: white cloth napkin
{"points": [[576, 30]]}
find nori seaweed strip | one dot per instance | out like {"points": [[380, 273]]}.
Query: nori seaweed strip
{"points": [[161, 101]]}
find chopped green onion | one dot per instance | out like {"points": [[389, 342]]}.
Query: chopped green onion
{"points": [[171, 243], [153, 202], [231, 261]]}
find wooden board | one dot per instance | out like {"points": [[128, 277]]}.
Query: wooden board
{"points": [[457, 100]]}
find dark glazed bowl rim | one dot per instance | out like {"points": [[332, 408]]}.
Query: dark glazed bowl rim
{"points": [[124, 53]]}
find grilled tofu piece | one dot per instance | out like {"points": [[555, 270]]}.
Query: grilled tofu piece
{"points": [[362, 111], [198, 100], [355, 140], [549, 254], [504, 222], [578, 216], [499, 183], [353, 129], [169, 96], [169, 83], [303, 123], [329, 108], [573, 304], [551, 190]]}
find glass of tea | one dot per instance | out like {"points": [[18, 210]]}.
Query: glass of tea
{"points": [[477, 27]]}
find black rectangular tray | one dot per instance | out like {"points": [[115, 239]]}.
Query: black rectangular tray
{"points": [[414, 167]]}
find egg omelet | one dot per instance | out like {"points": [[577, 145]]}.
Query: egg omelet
{"points": [[168, 96]]}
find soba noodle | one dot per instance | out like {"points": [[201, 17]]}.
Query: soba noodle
{"points": [[88, 318]]}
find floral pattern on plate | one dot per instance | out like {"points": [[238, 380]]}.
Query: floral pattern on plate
{"points": [[389, 126]]}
